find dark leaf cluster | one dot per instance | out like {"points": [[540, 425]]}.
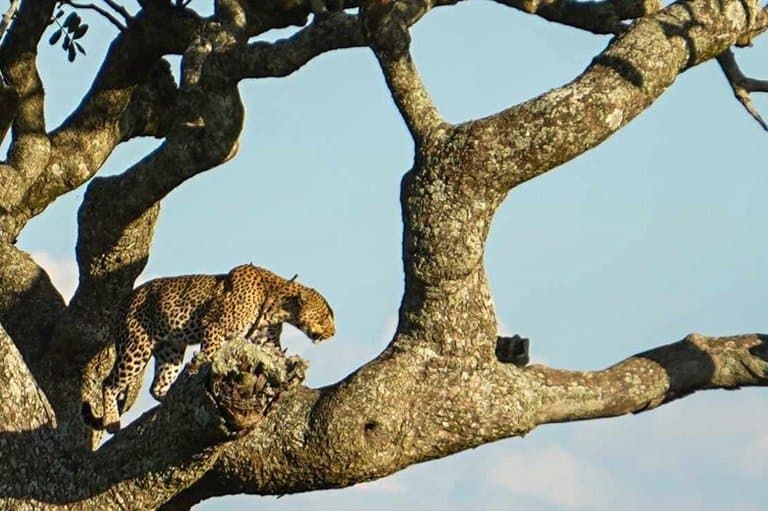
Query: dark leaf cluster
{"points": [[71, 29]]}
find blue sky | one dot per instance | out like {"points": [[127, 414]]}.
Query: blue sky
{"points": [[656, 233]]}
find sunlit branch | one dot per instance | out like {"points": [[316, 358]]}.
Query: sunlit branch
{"points": [[8, 16], [652, 378], [385, 24]]}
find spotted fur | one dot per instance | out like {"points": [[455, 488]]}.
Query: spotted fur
{"points": [[165, 315]]}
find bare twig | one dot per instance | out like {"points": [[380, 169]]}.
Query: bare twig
{"points": [[108, 15], [742, 85], [8, 16], [119, 9]]}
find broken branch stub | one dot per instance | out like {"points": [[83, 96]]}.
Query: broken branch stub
{"points": [[246, 379]]}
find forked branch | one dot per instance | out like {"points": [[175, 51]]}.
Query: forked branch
{"points": [[742, 85], [385, 24]]}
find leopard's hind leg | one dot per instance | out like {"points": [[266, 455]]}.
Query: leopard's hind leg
{"points": [[169, 357]]}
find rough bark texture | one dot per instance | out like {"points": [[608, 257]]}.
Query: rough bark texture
{"points": [[439, 387]]}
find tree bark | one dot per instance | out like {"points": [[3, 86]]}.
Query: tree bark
{"points": [[439, 387]]}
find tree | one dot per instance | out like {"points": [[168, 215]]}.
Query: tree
{"points": [[440, 386]]}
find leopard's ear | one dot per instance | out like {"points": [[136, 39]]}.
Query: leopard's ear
{"points": [[295, 276]]}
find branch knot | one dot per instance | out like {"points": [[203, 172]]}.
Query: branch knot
{"points": [[246, 379], [385, 26]]}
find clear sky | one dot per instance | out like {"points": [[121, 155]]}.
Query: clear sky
{"points": [[656, 233]]}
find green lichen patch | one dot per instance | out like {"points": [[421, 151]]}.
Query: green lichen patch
{"points": [[246, 379]]}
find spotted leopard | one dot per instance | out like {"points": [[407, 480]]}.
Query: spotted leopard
{"points": [[165, 315]]}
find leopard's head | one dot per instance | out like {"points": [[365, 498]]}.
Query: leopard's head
{"points": [[312, 314]]}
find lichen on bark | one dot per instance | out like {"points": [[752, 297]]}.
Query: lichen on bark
{"points": [[243, 422]]}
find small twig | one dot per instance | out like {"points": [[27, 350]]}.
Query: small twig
{"points": [[742, 85], [119, 9], [8, 16], [116, 22]]}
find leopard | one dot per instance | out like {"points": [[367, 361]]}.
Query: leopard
{"points": [[165, 315]]}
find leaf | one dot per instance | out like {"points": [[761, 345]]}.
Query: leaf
{"points": [[59, 14], [72, 21], [65, 42], [71, 54], [80, 48], [54, 37], [80, 32]]}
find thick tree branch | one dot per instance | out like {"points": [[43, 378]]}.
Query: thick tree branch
{"points": [[18, 67], [652, 378], [9, 105], [536, 136], [400, 419], [139, 468], [386, 23], [439, 387], [150, 112], [29, 304], [18, 55], [22, 405], [599, 17], [261, 60], [26, 424]]}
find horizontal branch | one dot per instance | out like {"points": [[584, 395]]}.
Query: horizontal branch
{"points": [[283, 57], [652, 378], [598, 17], [384, 417]]}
